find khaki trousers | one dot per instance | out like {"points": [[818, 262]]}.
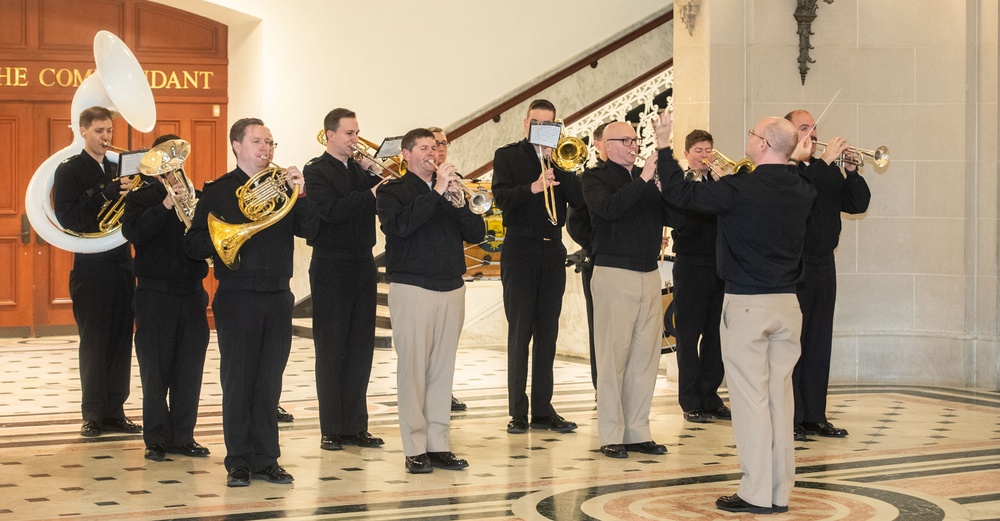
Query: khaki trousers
{"points": [[627, 327], [425, 329], [760, 346]]}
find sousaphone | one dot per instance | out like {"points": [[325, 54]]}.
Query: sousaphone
{"points": [[118, 84]]}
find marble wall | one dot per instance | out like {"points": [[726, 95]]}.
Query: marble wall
{"points": [[917, 272]]}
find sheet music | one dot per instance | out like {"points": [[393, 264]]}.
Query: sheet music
{"points": [[545, 133], [391, 146], [128, 162]]}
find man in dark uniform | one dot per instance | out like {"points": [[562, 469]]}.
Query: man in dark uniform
{"points": [[579, 228], [698, 292], [817, 291], [425, 260], [533, 271], [252, 306], [343, 280], [171, 327], [101, 284], [761, 227], [628, 215]]}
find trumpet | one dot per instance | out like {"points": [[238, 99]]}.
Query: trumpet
{"points": [[856, 156], [258, 199], [721, 165], [109, 217], [480, 200]]}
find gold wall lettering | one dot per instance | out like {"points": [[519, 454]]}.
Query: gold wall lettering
{"points": [[67, 77]]}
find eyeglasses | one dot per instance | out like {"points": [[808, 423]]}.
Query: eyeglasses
{"points": [[272, 144], [442, 143], [752, 133], [627, 141]]}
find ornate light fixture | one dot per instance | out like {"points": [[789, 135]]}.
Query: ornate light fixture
{"points": [[689, 12], [805, 13]]}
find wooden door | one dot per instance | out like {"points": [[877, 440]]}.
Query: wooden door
{"points": [[16, 166]]}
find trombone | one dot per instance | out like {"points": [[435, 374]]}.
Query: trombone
{"points": [[569, 155], [361, 150], [856, 156]]}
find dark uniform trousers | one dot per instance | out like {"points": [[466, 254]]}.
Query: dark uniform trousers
{"points": [[817, 293], [698, 296], [344, 302], [170, 342], [255, 337], [102, 306], [587, 274], [533, 274]]}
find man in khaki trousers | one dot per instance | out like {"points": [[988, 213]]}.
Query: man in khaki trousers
{"points": [[761, 227]]}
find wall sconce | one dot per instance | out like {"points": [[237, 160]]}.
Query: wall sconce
{"points": [[805, 13], [688, 14]]}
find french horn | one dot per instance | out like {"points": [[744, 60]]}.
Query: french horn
{"points": [[118, 83], [263, 200]]}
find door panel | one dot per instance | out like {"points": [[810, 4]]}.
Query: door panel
{"points": [[15, 256]]}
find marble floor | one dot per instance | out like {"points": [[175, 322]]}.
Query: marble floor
{"points": [[914, 453]]}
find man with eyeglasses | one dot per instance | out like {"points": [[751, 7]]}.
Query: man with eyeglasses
{"points": [[838, 192], [252, 307], [628, 216], [698, 292], [441, 157], [533, 270], [761, 228], [579, 228]]}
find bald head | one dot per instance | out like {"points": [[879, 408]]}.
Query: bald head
{"points": [[771, 141], [616, 135]]}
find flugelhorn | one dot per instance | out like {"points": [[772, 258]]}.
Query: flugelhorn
{"points": [[480, 200], [166, 163], [721, 165], [259, 199], [856, 156]]}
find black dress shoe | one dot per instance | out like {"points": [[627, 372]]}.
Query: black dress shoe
{"points": [[447, 461], [121, 425], [646, 447], [824, 429], [800, 433], [554, 423], [779, 509], [90, 429], [735, 503], [362, 439], [284, 416], [193, 449], [696, 416], [238, 477], [456, 405], [275, 474], [331, 442], [419, 464], [614, 451], [518, 425], [156, 452], [721, 412]]}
